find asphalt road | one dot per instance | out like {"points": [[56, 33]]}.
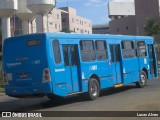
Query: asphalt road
{"points": [[127, 98]]}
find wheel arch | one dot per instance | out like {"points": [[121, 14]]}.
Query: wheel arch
{"points": [[145, 70], [97, 78]]}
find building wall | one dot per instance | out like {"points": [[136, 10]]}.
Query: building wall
{"points": [[100, 29], [125, 26], [53, 21], [144, 10], [75, 23]]}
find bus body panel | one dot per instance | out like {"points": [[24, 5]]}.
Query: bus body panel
{"points": [[24, 62]]}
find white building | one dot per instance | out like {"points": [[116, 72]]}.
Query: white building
{"points": [[121, 8], [53, 21]]}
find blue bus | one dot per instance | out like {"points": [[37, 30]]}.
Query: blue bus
{"points": [[58, 64]]}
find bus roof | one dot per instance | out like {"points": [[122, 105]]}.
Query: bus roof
{"points": [[84, 36]]}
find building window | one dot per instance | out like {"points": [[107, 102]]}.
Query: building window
{"points": [[81, 31], [55, 26], [63, 20], [117, 29], [57, 16], [72, 19], [126, 27]]}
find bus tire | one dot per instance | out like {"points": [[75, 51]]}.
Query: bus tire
{"points": [[143, 80], [93, 89]]}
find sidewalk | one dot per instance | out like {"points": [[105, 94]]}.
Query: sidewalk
{"points": [[2, 94]]}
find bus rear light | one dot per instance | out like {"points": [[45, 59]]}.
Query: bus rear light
{"points": [[46, 71], [46, 75]]}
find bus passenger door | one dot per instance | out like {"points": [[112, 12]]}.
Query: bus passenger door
{"points": [[152, 61], [71, 61], [116, 63]]}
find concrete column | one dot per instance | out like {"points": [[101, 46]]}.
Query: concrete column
{"points": [[6, 31], [39, 23], [25, 27]]}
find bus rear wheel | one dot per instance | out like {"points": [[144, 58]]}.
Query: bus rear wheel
{"points": [[143, 80], [93, 89]]}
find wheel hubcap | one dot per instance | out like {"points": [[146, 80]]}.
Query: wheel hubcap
{"points": [[94, 89], [143, 79]]}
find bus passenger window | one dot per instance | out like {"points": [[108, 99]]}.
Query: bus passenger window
{"points": [[87, 50], [141, 49], [56, 51], [74, 55], [128, 50], [65, 55], [118, 53], [101, 50], [112, 52]]}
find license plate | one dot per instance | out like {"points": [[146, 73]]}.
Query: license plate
{"points": [[23, 75]]}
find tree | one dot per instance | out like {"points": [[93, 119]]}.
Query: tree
{"points": [[152, 27], [66, 30], [0, 42], [0, 34]]}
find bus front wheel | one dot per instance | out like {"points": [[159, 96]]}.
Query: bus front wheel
{"points": [[93, 89], [143, 80]]}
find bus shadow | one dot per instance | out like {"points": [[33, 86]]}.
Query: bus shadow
{"points": [[111, 91], [47, 104]]}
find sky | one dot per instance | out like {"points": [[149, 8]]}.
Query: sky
{"points": [[96, 10]]}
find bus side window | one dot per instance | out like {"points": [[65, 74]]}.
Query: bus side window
{"points": [[65, 55], [87, 50], [141, 49], [118, 54], [101, 50], [74, 54], [112, 52], [56, 51], [128, 50]]}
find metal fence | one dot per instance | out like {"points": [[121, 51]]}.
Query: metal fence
{"points": [[1, 85], [1, 78]]}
